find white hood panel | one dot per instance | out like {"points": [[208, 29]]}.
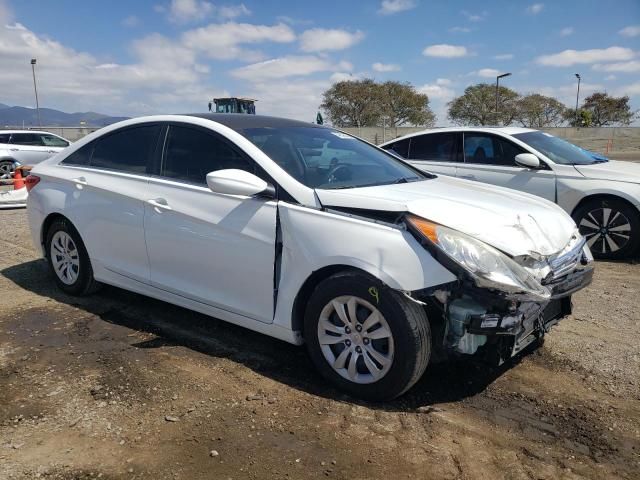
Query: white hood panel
{"points": [[514, 222], [612, 170]]}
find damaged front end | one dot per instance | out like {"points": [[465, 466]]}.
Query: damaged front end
{"points": [[500, 304]]}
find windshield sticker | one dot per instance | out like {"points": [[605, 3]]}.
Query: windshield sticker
{"points": [[342, 135]]}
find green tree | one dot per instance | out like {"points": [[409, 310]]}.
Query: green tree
{"points": [[537, 111], [584, 118], [607, 110], [477, 106], [402, 104], [353, 103]]}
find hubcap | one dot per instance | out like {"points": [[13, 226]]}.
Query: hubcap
{"points": [[355, 339], [64, 257], [606, 230], [6, 169]]}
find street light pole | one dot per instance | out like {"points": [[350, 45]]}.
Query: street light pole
{"points": [[35, 89], [577, 97], [497, 94]]}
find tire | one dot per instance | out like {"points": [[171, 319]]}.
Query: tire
{"points": [[597, 219], [68, 259], [7, 167], [405, 352]]}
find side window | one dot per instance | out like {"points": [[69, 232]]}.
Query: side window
{"points": [[489, 150], [53, 141], [401, 147], [128, 150], [4, 137], [191, 153], [27, 139], [435, 147], [80, 157]]}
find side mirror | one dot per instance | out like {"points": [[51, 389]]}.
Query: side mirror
{"points": [[528, 160], [239, 182]]}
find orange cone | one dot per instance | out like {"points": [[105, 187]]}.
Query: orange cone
{"points": [[18, 181]]}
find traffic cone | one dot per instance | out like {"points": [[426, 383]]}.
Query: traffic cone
{"points": [[18, 181]]}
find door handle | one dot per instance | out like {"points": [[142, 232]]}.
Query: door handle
{"points": [[468, 177], [51, 151], [80, 182], [13, 149], [159, 203]]}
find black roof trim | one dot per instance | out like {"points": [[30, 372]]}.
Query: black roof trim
{"points": [[239, 121]]}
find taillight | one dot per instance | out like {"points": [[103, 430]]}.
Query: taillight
{"points": [[31, 181]]}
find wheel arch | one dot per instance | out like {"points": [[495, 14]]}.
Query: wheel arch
{"points": [[602, 196], [46, 225]]}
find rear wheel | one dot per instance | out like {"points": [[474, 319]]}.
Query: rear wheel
{"points": [[68, 259], [7, 168], [611, 228], [365, 338]]}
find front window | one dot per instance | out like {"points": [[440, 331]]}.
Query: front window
{"points": [[558, 150], [53, 141], [329, 159]]}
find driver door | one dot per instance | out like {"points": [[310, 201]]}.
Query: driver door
{"points": [[212, 248]]}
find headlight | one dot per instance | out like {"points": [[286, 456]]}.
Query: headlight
{"points": [[488, 267]]}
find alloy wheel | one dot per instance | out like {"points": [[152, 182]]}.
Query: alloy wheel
{"points": [[65, 258], [606, 230], [6, 170], [355, 339]]}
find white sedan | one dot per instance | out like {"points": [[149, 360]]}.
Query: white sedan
{"points": [[602, 196], [27, 147], [311, 236]]}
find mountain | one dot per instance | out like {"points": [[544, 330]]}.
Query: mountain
{"points": [[18, 116]]}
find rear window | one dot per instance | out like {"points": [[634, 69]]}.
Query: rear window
{"points": [[80, 157], [401, 147], [4, 137], [27, 139], [128, 150], [435, 147]]}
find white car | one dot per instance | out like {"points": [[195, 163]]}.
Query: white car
{"points": [[311, 236], [27, 147], [602, 196]]}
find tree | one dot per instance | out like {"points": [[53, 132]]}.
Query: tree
{"points": [[352, 103], [402, 104], [537, 111], [478, 104], [364, 103], [607, 110], [584, 119]]}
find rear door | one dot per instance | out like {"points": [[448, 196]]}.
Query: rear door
{"points": [[27, 148], [490, 158], [107, 184], [435, 152], [212, 248]]}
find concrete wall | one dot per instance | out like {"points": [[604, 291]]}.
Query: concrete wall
{"points": [[605, 140]]}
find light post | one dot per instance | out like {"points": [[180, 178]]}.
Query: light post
{"points": [[497, 94], [577, 97], [35, 88]]}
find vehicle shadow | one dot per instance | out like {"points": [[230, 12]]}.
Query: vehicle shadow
{"points": [[175, 326]]}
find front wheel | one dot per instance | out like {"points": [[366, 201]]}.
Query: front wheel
{"points": [[365, 338], [611, 228]]}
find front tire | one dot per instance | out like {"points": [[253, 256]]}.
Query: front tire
{"points": [[365, 338], [610, 226], [68, 259]]}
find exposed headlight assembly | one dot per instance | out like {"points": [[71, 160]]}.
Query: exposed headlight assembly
{"points": [[487, 266]]}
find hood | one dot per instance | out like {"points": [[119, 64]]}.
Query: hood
{"points": [[612, 170], [514, 222]]}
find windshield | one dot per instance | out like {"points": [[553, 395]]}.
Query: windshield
{"points": [[558, 150], [329, 159]]}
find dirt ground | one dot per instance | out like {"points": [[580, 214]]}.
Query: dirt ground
{"points": [[119, 386]]}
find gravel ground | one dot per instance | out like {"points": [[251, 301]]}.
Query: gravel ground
{"points": [[119, 386]]}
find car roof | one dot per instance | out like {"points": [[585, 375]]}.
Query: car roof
{"points": [[502, 130], [240, 121], [26, 131]]}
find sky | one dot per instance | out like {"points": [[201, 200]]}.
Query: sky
{"points": [[169, 56]]}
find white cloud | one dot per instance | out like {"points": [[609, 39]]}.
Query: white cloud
{"points": [[385, 67], [630, 90], [474, 17], [487, 73], [130, 21], [445, 51], [437, 91], [623, 67], [233, 11], [459, 30], [288, 66], [567, 58], [443, 82], [182, 11], [566, 31], [503, 56], [389, 7], [223, 41], [320, 39], [610, 77], [535, 8], [630, 31]]}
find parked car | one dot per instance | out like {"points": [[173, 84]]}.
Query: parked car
{"points": [[602, 196], [27, 147], [308, 235]]}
